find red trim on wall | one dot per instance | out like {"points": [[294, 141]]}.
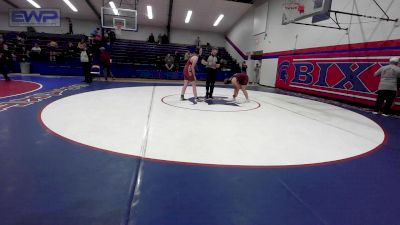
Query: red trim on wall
{"points": [[240, 52]]}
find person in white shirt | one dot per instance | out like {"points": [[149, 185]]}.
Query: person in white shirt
{"points": [[36, 48], [388, 85], [85, 62]]}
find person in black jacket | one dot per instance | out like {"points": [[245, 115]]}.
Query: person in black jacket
{"points": [[151, 38], [5, 62]]}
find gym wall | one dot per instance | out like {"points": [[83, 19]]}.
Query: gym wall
{"points": [[283, 37]]}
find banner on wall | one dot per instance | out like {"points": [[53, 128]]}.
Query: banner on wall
{"points": [[349, 79], [34, 17]]}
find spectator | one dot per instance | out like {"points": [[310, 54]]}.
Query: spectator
{"points": [[93, 51], [223, 64], [95, 32], [105, 60], [1, 39], [159, 63], [159, 39], [86, 65], [257, 72], [169, 62], [165, 39], [106, 38], [244, 67], [151, 38], [82, 44], [70, 26], [96, 35], [21, 52], [187, 56], [70, 50], [388, 86], [197, 42], [177, 60], [52, 46], [112, 37], [36, 49], [6, 60], [31, 30], [20, 40], [19, 48]]}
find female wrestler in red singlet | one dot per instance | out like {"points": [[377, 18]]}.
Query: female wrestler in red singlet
{"points": [[239, 81], [189, 73]]}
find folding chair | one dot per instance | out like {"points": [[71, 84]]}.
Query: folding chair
{"points": [[95, 71]]}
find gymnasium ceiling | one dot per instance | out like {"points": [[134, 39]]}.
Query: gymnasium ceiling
{"points": [[205, 12]]}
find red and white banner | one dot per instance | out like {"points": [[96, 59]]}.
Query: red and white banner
{"points": [[350, 79]]}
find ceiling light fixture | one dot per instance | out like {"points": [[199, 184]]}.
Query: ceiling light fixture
{"points": [[114, 8], [188, 16], [71, 6], [218, 20], [149, 12], [34, 4]]}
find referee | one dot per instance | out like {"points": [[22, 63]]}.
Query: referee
{"points": [[212, 64]]}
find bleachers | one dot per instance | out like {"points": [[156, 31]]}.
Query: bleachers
{"points": [[130, 58]]}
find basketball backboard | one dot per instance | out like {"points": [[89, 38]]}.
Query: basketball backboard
{"points": [[125, 19], [294, 10]]}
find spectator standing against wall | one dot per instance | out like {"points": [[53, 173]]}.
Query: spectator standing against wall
{"points": [[388, 85], [159, 39], [70, 26], [151, 38], [257, 69], [105, 60], [197, 42], [212, 64], [165, 39]]}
